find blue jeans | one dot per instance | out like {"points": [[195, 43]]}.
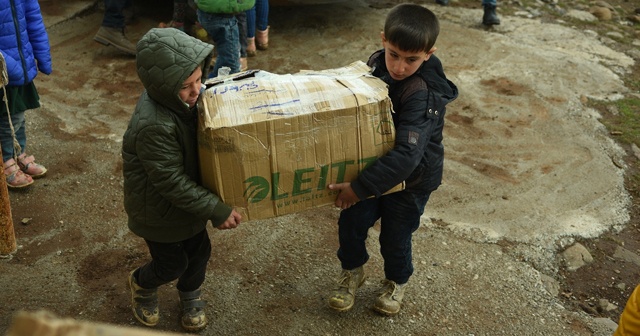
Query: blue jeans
{"points": [[242, 31], [6, 139], [399, 213], [490, 2], [185, 260], [258, 17], [223, 29], [113, 15]]}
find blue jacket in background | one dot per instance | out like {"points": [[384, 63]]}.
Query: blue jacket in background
{"points": [[23, 41]]}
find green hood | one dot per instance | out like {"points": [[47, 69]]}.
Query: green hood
{"points": [[166, 57]]}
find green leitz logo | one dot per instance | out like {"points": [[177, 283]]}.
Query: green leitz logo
{"points": [[257, 189], [305, 181]]}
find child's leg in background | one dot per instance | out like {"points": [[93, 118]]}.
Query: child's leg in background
{"points": [[261, 15], [6, 137], [251, 22], [401, 213], [179, 10], [223, 30], [242, 33], [262, 24], [20, 99], [251, 31], [178, 17], [113, 13], [14, 176]]}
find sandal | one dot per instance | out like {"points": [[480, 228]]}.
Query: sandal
{"points": [[193, 317], [30, 167], [15, 177]]}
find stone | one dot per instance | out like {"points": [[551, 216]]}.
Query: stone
{"points": [[581, 15], [550, 284], [602, 13], [626, 255], [604, 4], [635, 150], [576, 256]]}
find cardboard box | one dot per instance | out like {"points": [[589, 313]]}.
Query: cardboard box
{"points": [[270, 144]]}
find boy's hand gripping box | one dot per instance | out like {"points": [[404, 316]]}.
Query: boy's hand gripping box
{"points": [[271, 144]]}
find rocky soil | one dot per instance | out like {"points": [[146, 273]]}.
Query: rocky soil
{"points": [[534, 232]]}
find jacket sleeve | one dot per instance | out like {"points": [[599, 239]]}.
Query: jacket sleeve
{"points": [[413, 130], [14, 68], [38, 36], [159, 151]]}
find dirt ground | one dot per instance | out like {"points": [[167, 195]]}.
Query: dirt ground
{"points": [[530, 171]]}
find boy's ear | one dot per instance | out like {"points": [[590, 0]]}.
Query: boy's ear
{"points": [[429, 53]]}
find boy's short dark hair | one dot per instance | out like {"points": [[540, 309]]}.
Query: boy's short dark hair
{"points": [[411, 27]]}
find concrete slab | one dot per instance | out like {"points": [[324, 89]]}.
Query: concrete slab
{"points": [[56, 11]]}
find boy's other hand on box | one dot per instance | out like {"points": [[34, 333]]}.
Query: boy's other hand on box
{"points": [[232, 222], [346, 197]]}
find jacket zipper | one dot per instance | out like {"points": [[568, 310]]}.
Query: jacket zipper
{"points": [[16, 24]]}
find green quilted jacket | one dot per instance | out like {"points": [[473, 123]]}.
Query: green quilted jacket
{"points": [[225, 6], [163, 197]]}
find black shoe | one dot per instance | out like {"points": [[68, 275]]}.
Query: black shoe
{"points": [[442, 2], [490, 17]]}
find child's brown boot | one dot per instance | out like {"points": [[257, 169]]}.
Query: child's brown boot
{"points": [[390, 301], [343, 298]]}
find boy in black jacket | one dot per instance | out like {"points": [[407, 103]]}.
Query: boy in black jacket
{"points": [[419, 91]]}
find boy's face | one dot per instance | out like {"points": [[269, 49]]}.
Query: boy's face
{"points": [[402, 64], [190, 89]]}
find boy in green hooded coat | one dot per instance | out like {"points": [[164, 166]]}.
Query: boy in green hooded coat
{"points": [[163, 197]]}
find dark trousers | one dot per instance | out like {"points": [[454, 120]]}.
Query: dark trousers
{"points": [[185, 261], [113, 13], [399, 215]]}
